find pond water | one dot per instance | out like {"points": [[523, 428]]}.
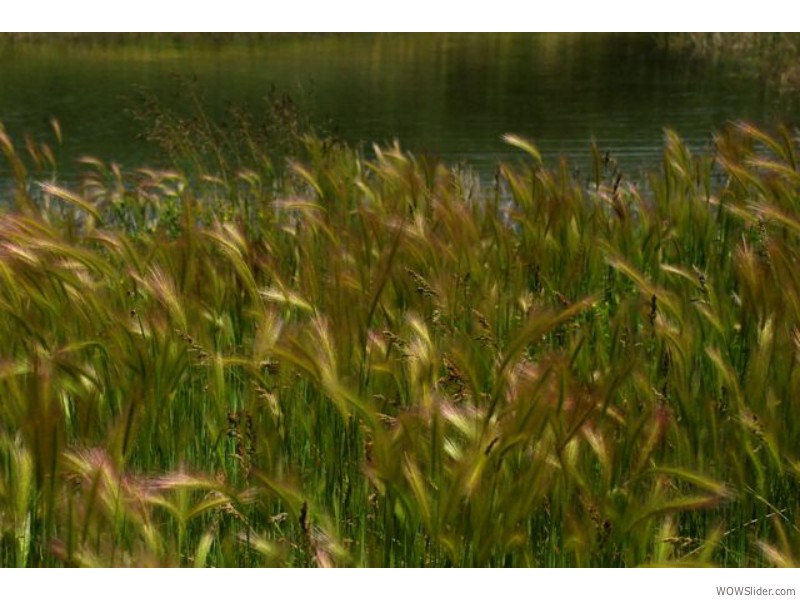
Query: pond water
{"points": [[452, 95]]}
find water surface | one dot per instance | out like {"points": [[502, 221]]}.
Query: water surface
{"points": [[451, 95]]}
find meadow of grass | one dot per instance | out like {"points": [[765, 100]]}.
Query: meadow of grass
{"points": [[360, 361]]}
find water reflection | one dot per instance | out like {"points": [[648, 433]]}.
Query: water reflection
{"points": [[452, 95]]}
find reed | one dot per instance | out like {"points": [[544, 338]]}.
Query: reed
{"points": [[772, 56], [372, 362]]}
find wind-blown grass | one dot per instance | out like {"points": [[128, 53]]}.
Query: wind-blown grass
{"points": [[378, 364]]}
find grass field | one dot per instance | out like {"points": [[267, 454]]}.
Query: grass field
{"points": [[378, 362]]}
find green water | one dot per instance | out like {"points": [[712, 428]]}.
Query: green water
{"points": [[450, 95]]}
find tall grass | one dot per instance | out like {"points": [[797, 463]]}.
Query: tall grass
{"points": [[381, 364]]}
